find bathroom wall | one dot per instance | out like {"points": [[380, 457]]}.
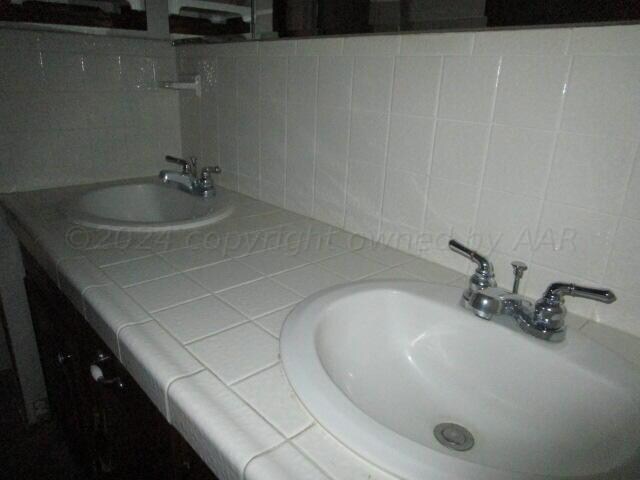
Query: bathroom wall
{"points": [[523, 143], [81, 108]]}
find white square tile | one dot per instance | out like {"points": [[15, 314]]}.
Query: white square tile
{"points": [[610, 40], [247, 75], [623, 265], [194, 257], [302, 80], [108, 309], [384, 254], [544, 41], [154, 359], [333, 132], [333, 458], [410, 143], [271, 395], [468, 88], [352, 266], [368, 140], [633, 193], [75, 275], [318, 248], [259, 298], [457, 43], [277, 48], [364, 198], [574, 240], [591, 172], [330, 189], [530, 91], [393, 273], [224, 431], [459, 151], [334, 81], [63, 71], [105, 256], [273, 322], [224, 275], [273, 78], [430, 272], [166, 292], [283, 462], [602, 96], [320, 46], [237, 353], [519, 160], [372, 45], [415, 85], [308, 280], [404, 198], [372, 81], [506, 221], [274, 261], [138, 271], [194, 320]]}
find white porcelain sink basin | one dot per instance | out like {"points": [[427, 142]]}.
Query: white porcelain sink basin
{"points": [[146, 206], [381, 364]]}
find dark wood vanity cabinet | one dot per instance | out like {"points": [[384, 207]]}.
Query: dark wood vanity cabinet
{"points": [[112, 429]]}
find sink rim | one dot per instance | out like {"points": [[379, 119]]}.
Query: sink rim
{"points": [[343, 419], [218, 211]]}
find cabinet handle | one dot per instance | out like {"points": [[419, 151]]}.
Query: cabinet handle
{"points": [[98, 376]]}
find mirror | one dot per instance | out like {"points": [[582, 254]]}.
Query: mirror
{"points": [[265, 19]]}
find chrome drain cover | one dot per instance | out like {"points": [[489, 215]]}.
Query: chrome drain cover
{"points": [[454, 436]]}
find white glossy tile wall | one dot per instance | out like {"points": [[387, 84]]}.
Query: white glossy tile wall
{"points": [[79, 108], [523, 143]]}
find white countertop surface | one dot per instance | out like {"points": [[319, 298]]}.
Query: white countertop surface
{"points": [[195, 317]]}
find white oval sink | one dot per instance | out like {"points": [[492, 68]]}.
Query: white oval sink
{"points": [[145, 207], [381, 364]]}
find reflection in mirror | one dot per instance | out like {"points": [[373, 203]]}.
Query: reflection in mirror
{"points": [[305, 18], [112, 14]]}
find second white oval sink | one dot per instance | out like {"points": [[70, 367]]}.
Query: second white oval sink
{"points": [[381, 364], [145, 206]]}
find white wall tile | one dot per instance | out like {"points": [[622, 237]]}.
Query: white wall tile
{"points": [[574, 241], [373, 45], [364, 197], [302, 80], [459, 151], [372, 79], [591, 172], [632, 202], [335, 79], [368, 139], [415, 85], [468, 88], [530, 91], [410, 143], [519, 160], [544, 41], [273, 78], [613, 40], [320, 46], [404, 198], [437, 44], [603, 96]]}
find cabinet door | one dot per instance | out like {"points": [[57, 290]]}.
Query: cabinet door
{"points": [[60, 363]]}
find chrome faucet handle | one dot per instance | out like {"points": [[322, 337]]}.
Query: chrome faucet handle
{"points": [[188, 166], [549, 311], [518, 271], [483, 277]]}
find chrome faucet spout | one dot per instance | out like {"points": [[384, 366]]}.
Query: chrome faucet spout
{"points": [[188, 179]]}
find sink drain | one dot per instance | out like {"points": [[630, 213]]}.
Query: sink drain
{"points": [[454, 436]]}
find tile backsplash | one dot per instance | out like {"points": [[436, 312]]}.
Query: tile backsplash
{"points": [[523, 143], [80, 108]]}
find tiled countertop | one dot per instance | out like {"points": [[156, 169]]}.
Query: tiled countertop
{"points": [[195, 318]]}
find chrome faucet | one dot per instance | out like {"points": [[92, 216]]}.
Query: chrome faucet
{"points": [[544, 319], [188, 180]]}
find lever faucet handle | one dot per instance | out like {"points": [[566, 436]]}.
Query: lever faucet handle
{"points": [[188, 166], [484, 266], [518, 271], [556, 291]]}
